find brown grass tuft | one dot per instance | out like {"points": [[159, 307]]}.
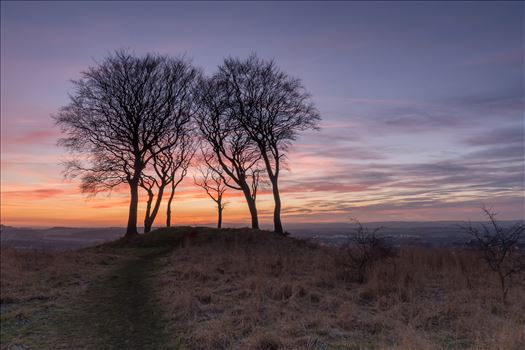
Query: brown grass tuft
{"points": [[36, 275]]}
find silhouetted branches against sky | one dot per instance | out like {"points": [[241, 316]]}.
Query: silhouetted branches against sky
{"points": [[210, 177], [234, 151], [167, 168], [271, 107], [181, 161], [125, 111], [135, 120]]}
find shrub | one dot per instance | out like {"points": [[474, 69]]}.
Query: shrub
{"points": [[363, 249], [499, 247]]}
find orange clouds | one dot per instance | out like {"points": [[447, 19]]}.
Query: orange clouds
{"points": [[31, 195]]}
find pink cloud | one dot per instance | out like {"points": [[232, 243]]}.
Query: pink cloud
{"points": [[35, 194], [39, 136]]}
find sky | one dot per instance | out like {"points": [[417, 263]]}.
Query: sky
{"points": [[422, 104]]}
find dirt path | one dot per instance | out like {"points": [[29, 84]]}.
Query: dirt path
{"points": [[116, 312], [122, 311]]}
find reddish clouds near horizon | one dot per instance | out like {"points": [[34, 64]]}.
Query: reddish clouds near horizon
{"points": [[422, 104]]}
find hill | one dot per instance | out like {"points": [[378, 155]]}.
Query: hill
{"points": [[202, 288]]}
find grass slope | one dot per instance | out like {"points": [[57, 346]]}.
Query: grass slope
{"points": [[202, 288], [121, 310], [115, 309]]}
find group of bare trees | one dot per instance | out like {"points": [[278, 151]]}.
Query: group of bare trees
{"points": [[144, 121], [251, 112]]}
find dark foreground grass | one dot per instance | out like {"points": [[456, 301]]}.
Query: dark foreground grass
{"points": [[120, 311], [116, 310], [97, 298]]}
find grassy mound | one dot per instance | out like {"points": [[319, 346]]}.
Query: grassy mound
{"points": [[181, 236], [203, 288]]}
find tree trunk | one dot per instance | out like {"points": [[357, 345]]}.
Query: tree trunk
{"points": [[251, 205], [219, 219], [147, 226], [274, 179], [253, 212], [168, 210], [154, 212], [277, 224], [147, 218], [131, 230]]}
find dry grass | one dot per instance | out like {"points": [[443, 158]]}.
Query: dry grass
{"points": [[244, 289], [252, 290], [35, 284], [90, 299], [36, 275]]}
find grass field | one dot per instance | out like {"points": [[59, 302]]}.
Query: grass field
{"points": [[200, 288]]}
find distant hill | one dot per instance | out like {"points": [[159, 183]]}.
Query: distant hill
{"points": [[57, 238], [399, 233]]}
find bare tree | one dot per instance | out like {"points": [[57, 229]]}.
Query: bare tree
{"points": [[272, 108], [156, 183], [363, 249], [102, 175], [168, 167], [179, 169], [230, 145], [499, 247], [123, 113], [211, 179], [177, 179]]}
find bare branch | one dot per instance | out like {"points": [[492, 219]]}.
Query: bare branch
{"points": [[124, 112], [499, 247]]}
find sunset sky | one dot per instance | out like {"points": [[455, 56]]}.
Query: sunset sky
{"points": [[422, 104]]}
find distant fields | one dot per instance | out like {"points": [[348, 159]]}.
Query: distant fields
{"points": [[430, 234]]}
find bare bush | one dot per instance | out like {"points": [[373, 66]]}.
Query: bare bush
{"points": [[363, 249], [499, 247]]}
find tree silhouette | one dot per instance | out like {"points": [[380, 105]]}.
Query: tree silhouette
{"points": [[211, 179], [179, 168], [123, 113], [168, 168], [271, 107], [148, 183], [231, 146]]}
